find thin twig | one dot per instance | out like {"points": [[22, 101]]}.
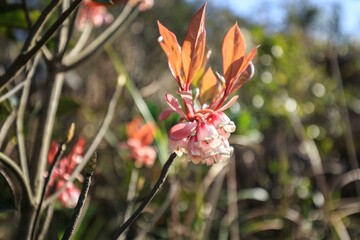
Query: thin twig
{"points": [[15, 169], [57, 157], [98, 138], [12, 92], [24, 57], [20, 118], [39, 24], [6, 126], [84, 191], [26, 13], [174, 187], [80, 43], [46, 134], [46, 224], [149, 197], [64, 32], [120, 24], [130, 196]]}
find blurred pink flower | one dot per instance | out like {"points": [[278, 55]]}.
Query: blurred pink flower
{"points": [[138, 143], [63, 170], [203, 130], [92, 13]]}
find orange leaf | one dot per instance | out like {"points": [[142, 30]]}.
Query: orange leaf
{"points": [[169, 44], [245, 72], [193, 48], [208, 86], [233, 50]]}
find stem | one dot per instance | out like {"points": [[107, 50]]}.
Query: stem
{"points": [[108, 35], [45, 14], [14, 168], [100, 135], [149, 197], [24, 57], [20, 118], [46, 224], [84, 191], [6, 126], [57, 157], [131, 196]]}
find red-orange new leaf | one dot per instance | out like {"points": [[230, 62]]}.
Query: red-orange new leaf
{"points": [[170, 45], [193, 48], [233, 51], [235, 61]]}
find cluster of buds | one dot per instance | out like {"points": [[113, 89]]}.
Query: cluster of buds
{"points": [[62, 172], [203, 130], [139, 138]]}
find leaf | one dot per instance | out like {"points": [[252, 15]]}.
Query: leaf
{"points": [[12, 15], [165, 114], [193, 48], [170, 46], [208, 86], [244, 77], [233, 51]]}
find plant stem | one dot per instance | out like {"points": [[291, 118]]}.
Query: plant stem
{"points": [[57, 157], [24, 57], [149, 197], [84, 191], [98, 138]]}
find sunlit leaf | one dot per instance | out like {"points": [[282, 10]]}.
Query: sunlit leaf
{"points": [[233, 51], [208, 86], [169, 44], [193, 48]]}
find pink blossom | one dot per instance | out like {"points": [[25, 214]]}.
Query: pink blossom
{"points": [[92, 13], [62, 171], [203, 129], [139, 139]]}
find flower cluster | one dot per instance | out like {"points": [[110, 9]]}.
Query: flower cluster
{"points": [[203, 130], [63, 171], [139, 138]]}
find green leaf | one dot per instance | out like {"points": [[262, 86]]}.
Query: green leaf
{"points": [[13, 16]]}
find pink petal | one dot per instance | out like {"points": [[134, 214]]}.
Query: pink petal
{"points": [[174, 104], [165, 114], [228, 104], [182, 130]]}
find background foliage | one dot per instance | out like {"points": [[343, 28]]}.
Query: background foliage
{"points": [[294, 173]]}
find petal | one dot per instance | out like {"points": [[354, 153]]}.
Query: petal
{"points": [[165, 114], [182, 130], [228, 104], [174, 104]]}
